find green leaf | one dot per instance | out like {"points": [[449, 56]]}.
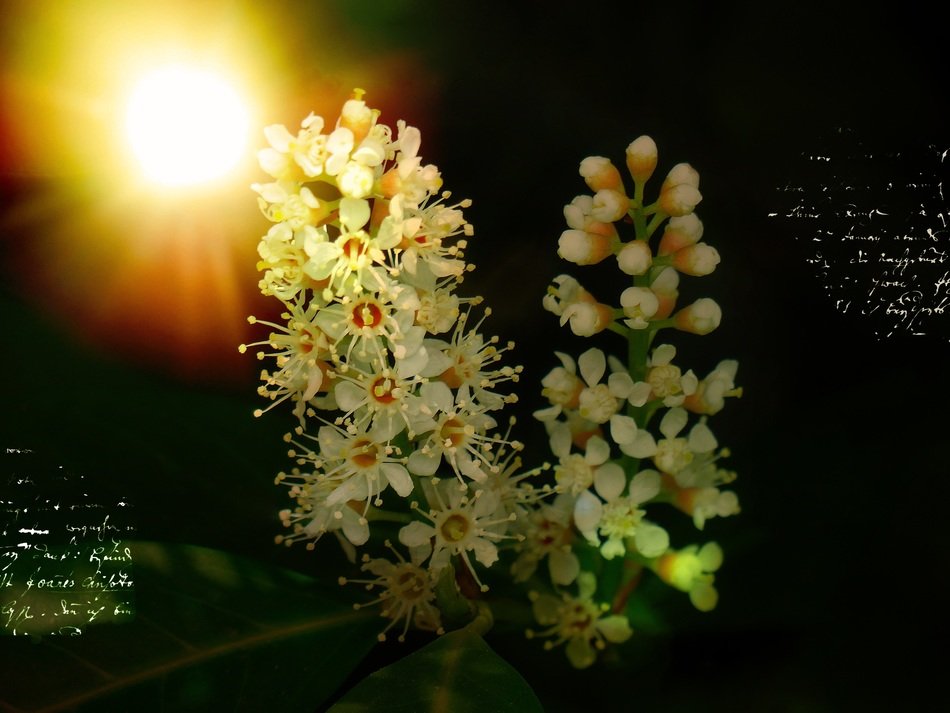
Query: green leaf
{"points": [[456, 673], [211, 631]]}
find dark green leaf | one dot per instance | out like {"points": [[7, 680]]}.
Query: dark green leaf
{"points": [[456, 673], [211, 631]]}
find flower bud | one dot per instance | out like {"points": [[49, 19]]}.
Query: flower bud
{"points": [[681, 174], [701, 317], [577, 212], [356, 180], [641, 159], [599, 174], [609, 205], [583, 248], [680, 200], [639, 305], [696, 260], [679, 233], [356, 116], [665, 287], [564, 292], [587, 318], [635, 258], [679, 194]]}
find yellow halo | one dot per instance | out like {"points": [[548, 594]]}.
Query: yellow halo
{"points": [[186, 125]]}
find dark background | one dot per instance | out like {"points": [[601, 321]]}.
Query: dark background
{"points": [[833, 593]]}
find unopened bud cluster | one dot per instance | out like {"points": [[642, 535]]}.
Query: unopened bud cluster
{"points": [[630, 436]]}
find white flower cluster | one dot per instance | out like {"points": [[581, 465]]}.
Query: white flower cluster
{"points": [[391, 382], [601, 409], [396, 389]]}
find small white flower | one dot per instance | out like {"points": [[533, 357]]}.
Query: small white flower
{"points": [[578, 622], [618, 516], [458, 435], [461, 523], [407, 592], [548, 533], [674, 453], [575, 472], [711, 392]]}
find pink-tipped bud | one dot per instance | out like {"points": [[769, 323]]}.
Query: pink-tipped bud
{"points": [[680, 232], [599, 174], [681, 174], [680, 200], [583, 248], [696, 260], [679, 194], [701, 317], [635, 258], [577, 212], [665, 287], [609, 205], [587, 318], [641, 159]]}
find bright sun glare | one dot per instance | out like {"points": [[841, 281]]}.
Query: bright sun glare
{"points": [[186, 126]]}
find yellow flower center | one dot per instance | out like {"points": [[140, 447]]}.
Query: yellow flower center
{"points": [[455, 527]]}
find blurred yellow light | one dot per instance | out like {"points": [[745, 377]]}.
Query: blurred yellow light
{"points": [[186, 125]]}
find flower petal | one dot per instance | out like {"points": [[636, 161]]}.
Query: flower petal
{"points": [[616, 629], [623, 429], [416, 534], [710, 556], [580, 653], [424, 463], [598, 451], [587, 512], [485, 551], [592, 364], [563, 566], [663, 355], [701, 439], [609, 481], [643, 446], [673, 422], [644, 486], [398, 477], [651, 540]]}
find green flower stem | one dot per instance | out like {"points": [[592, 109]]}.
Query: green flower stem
{"points": [[655, 223], [484, 619], [388, 515], [632, 573], [639, 220], [619, 329], [457, 610]]}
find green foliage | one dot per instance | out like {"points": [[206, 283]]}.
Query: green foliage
{"points": [[211, 631], [457, 673]]}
